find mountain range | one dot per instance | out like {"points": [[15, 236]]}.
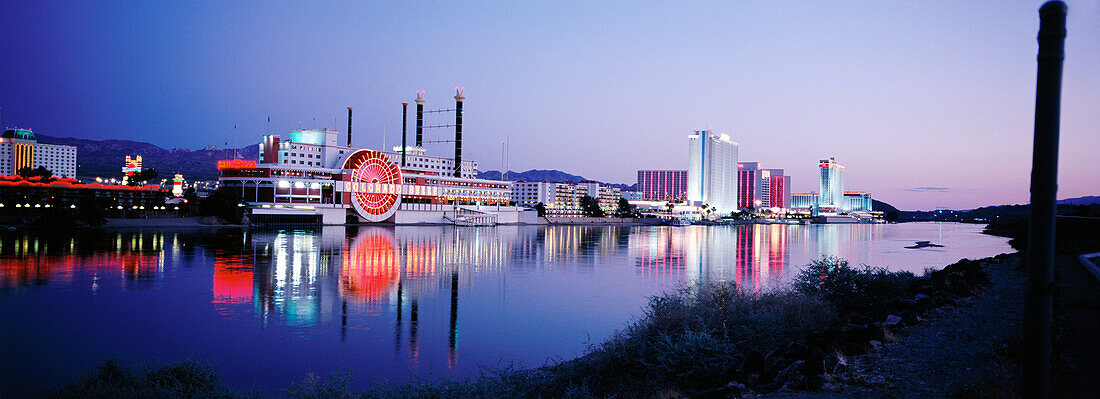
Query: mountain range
{"points": [[547, 175], [1086, 200], [104, 158]]}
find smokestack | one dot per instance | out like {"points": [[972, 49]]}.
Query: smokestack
{"points": [[458, 130], [420, 118], [404, 123], [349, 126]]}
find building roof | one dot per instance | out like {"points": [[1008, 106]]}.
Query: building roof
{"points": [[24, 134]]}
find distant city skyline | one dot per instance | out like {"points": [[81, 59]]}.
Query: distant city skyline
{"points": [[927, 104]]}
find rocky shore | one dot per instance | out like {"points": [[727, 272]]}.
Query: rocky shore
{"points": [[961, 344]]}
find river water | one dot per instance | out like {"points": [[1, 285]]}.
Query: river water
{"points": [[266, 307]]}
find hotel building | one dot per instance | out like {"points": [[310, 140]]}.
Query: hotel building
{"points": [[804, 201], [663, 185], [830, 184], [775, 190], [762, 188], [564, 199], [712, 171], [749, 185], [856, 201], [20, 149]]}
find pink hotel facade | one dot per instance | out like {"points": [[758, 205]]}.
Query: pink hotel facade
{"points": [[663, 185]]}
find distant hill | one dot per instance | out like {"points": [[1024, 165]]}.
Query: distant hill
{"points": [[547, 175], [555, 176], [880, 206], [1086, 200], [105, 157]]}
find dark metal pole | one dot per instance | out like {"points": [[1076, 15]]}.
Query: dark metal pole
{"points": [[419, 122], [349, 126], [458, 133], [1038, 305], [453, 342], [404, 124]]}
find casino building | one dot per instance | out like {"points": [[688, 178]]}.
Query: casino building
{"points": [[20, 149], [310, 178]]}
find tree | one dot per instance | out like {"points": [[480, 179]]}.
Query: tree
{"points": [[223, 203], [892, 216], [541, 209], [143, 176], [40, 171], [591, 207], [670, 206], [91, 211], [625, 209]]}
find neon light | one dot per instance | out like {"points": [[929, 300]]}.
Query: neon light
{"points": [[236, 164], [376, 184]]}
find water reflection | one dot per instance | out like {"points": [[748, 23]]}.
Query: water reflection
{"points": [[128, 260], [292, 275], [286, 272], [395, 301]]}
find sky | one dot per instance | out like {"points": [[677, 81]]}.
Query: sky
{"points": [[928, 104]]}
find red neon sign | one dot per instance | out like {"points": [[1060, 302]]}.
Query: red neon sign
{"points": [[236, 164]]}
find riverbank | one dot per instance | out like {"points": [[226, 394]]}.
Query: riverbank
{"points": [[168, 221], [973, 349], [965, 349]]}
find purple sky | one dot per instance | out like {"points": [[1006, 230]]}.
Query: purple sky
{"points": [[927, 104]]}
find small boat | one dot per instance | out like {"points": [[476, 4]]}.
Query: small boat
{"points": [[925, 244], [681, 222]]}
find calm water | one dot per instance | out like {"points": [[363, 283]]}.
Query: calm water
{"points": [[267, 307]]}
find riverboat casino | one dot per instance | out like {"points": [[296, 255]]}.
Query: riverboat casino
{"points": [[309, 178]]}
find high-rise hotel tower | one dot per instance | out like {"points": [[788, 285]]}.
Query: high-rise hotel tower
{"points": [[831, 184], [712, 171], [20, 149]]}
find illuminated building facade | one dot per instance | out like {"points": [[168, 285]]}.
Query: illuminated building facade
{"points": [[663, 185], [20, 149], [177, 185], [775, 190], [830, 184], [634, 195], [856, 201], [804, 201], [26, 195], [749, 185], [712, 171], [564, 199], [762, 188], [606, 196]]}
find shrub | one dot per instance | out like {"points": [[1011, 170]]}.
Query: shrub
{"points": [[112, 379], [849, 289], [694, 338], [223, 203]]}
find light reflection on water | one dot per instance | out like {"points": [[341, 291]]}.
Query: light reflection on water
{"points": [[265, 307]]}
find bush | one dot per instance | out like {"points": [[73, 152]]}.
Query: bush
{"points": [[694, 338], [112, 379], [224, 203], [849, 289]]}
